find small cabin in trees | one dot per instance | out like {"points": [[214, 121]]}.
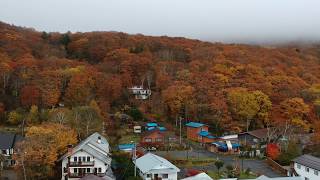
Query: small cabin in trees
{"points": [[140, 93]]}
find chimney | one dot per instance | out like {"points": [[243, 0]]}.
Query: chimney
{"points": [[70, 146], [99, 140]]}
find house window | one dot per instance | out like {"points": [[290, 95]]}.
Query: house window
{"points": [[159, 139], [307, 169], [148, 175], [75, 170], [64, 169], [316, 172], [298, 166], [88, 158], [99, 170], [83, 158], [165, 176], [75, 159], [148, 140], [88, 170]]}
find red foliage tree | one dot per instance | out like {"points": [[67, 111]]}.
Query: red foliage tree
{"points": [[273, 151], [29, 95]]}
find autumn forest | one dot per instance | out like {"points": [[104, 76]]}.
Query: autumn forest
{"points": [[81, 79]]}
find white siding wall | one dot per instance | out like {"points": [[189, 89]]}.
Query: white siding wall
{"points": [[305, 174], [171, 175], [97, 163]]}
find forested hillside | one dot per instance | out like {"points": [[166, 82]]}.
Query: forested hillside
{"points": [[53, 76]]}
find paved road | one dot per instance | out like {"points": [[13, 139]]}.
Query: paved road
{"points": [[256, 166]]}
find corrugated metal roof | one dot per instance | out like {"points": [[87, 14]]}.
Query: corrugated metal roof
{"points": [[162, 128], [152, 124], [125, 146], [195, 124], [204, 133], [309, 161], [96, 145], [151, 161], [224, 146], [151, 128]]}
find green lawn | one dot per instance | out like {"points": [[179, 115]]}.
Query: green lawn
{"points": [[214, 174], [192, 162], [125, 139], [243, 175]]}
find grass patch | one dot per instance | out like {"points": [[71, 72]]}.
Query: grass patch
{"points": [[214, 174], [192, 162], [244, 175], [128, 138]]}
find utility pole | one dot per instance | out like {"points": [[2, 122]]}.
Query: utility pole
{"points": [[22, 128], [134, 154], [180, 130], [24, 169]]}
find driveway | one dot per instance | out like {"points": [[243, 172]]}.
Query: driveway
{"points": [[256, 166]]}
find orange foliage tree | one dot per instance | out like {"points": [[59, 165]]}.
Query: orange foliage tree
{"points": [[42, 147]]}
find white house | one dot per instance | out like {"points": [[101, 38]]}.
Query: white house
{"points": [[140, 92], [151, 166], [307, 167], [90, 156]]}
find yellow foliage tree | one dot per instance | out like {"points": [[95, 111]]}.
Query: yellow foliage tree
{"points": [[42, 147]]}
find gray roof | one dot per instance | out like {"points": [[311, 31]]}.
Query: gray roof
{"points": [[200, 176], [151, 161], [99, 148], [9, 140], [309, 161], [278, 178]]}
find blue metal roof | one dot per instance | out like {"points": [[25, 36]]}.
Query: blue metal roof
{"points": [[152, 124], [211, 137], [151, 128], [203, 133], [224, 146], [194, 124], [125, 146], [206, 134], [162, 128], [221, 145], [235, 145]]}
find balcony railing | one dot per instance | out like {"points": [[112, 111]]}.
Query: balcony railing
{"points": [[81, 163], [80, 175]]}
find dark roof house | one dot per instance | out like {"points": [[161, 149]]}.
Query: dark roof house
{"points": [[259, 133], [309, 161], [9, 140]]}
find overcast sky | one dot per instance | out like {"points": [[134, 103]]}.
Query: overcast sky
{"points": [[236, 21]]}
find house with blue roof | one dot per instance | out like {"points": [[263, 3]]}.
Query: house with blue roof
{"points": [[199, 132], [154, 126]]}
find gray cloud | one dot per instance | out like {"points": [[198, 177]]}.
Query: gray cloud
{"points": [[239, 21]]}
